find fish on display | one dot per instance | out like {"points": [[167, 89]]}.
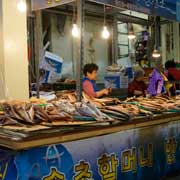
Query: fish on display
{"points": [[41, 114], [85, 110], [67, 107], [100, 115]]}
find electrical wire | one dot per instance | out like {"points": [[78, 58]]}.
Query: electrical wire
{"points": [[104, 14]]}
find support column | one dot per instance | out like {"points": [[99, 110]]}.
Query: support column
{"points": [[13, 52], [176, 40], [38, 47], [115, 40], [163, 43], [80, 59]]}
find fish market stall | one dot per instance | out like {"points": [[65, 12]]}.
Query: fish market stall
{"points": [[133, 139], [89, 139]]}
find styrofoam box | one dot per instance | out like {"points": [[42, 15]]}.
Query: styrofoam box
{"points": [[116, 81]]}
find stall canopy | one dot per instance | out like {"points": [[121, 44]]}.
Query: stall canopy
{"points": [[164, 8]]}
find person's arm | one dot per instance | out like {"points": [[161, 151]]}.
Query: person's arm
{"points": [[89, 90], [102, 92], [137, 92]]}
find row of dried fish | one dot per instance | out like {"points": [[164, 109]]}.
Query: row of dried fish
{"points": [[157, 104], [131, 107], [134, 107], [99, 102], [126, 111], [153, 104], [66, 108], [27, 113]]}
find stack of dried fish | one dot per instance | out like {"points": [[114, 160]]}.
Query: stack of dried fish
{"points": [[100, 102], [16, 112], [156, 104], [67, 95], [66, 108], [177, 100], [134, 107], [81, 109], [26, 113], [90, 110], [125, 111]]}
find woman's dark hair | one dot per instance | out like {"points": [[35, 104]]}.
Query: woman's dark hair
{"points": [[170, 64], [89, 68]]}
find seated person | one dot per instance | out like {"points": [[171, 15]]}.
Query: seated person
{"points": [[173, 74], [157, 80], [137, 87], [89, 81]]}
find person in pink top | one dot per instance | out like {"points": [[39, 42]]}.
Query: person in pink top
{"points": [[89, 81]]}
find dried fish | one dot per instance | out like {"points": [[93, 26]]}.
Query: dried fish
{"points": [[119, 110], [21, 111], [100, 116], [67, 107], [99, 102], [30, 111], [116, 114], [85, 110], [41, 114], [10, 121]]}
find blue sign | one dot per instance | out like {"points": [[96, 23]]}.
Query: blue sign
{"points": [[7, 165], [163, 8], [178, 10], [145, 153]]}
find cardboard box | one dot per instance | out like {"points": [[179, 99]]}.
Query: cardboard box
{"points": [[52, 62], [52, 65]]}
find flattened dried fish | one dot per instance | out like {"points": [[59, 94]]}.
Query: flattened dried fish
{"points": [[114, 113], [117, 109], [41, 114], [85, 110], [100, 116]]}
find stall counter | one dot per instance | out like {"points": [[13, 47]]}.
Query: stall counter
{"points": [[141, 149]]}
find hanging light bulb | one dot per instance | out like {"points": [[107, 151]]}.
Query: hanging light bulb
{"points": [[21, 6], [156, 53], [75, 31], [105, 33], [131, 34]]}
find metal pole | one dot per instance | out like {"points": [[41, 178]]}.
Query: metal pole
{"points": [[38, 46], [158, 31], [115, 40], [80, 59]]}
